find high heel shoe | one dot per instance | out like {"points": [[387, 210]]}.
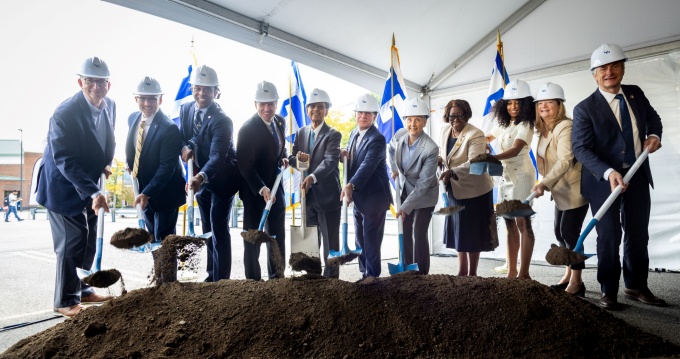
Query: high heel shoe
{"points": [[581, 292], [561, 286]]}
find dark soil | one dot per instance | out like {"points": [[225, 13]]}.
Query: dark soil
{"points": [[258, 238], [485, 157], [403, 316], [563, 256], [103, 278], [340, 260], [130, 237], [176, 248], [302, 262], [510, 206], [447, 211]]}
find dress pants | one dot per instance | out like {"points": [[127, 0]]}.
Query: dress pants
{"points": [[161, 225], [74, 241], [274, 226], [369, 230], [215, 212], [416, 242], [631, 210], [328, 223]]}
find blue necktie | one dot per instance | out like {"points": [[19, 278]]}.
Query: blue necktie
{"points": [[198, 122], [312, 141], [276, 136], [627, 128]]}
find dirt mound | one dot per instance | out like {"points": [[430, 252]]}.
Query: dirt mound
{"points": [[403, 316], [176, 248], [130, 237]]}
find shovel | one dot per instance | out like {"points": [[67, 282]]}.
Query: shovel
{"points": [[344, 255], [304, 240], [146, 247], [401, 266], [96, 277], [515, 210], [446, 210], [483, 166], [563, 256], [190, 204]]}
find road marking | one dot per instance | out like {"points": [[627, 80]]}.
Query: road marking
{"points": [[40, 312]]}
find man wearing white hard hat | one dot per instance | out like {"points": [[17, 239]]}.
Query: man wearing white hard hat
{"points": [[261, 152], [368, 184], [151, 150], [319, 144], [611, 129], [80, 147], [207, 137], [413, 162]]}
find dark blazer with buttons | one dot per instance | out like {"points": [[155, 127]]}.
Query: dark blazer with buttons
{"points": [[597, 139], [215, 154], [160, 172], [323, 163], [368, 172], [258, 157], [74, 160]]}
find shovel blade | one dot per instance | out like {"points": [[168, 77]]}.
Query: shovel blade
{"points": [[398, 268], [518, 213], [563, 256], [304, 240]]}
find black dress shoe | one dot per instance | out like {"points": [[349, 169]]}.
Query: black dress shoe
{"points": [[645, 296], [562, 286], [581, 291], [609, 302]]}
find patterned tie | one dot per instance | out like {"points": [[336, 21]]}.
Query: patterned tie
{"points": [[138, 150], [312, 141], [276, 136], [627, 128], [198, 122]]}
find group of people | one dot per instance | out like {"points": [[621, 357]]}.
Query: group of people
{"points": [[80, 147]]}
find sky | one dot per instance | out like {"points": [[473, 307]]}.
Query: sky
{"points": [[45, 42]]}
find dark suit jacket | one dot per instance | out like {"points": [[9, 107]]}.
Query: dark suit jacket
{"points": [[215, 154], [160, 173], [323, 164], [597, 139], [258, 157], [73, 160], [368, 172]]}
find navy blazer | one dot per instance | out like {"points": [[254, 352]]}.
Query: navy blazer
{"points": [[258, 157], [160, 172], [74, 160], [597, 138], [323, 163], [215, 154], [368, 172]]}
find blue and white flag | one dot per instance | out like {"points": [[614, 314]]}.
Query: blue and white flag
{"points": [[499, 78], [183, 96], [294, 105], [393, 99]]}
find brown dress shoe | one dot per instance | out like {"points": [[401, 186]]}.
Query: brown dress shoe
{"points": [[645, 296], [95, 298], [609, 302], [70, 312]]}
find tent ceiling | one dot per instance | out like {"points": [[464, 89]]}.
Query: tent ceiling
{"points": [[442, 44]]}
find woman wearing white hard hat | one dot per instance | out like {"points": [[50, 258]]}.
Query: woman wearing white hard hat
{"points": [[561, 176], [413, 160], [515, 115], [473, 230]]}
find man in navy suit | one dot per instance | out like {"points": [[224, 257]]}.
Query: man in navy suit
{"points": [[80, 146], [611, 128], [261, 151], [207, 137], [152, 157], [367, 176], [320, 145]]}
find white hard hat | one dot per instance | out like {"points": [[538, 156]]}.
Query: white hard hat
{"points": [[149, 86], [94, 67], [367, 103], [550, 91], [266, 92], [204, 76], [319, 95], [516, 90], [417, 107], [606, 54]]}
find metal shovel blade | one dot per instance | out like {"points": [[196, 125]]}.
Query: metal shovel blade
{"points": [[479, 168], [304, 240], [398, 268]]}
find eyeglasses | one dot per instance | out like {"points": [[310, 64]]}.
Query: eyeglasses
{"points": [[319, 105], [147, 99], [454, 117], [100, 82]]}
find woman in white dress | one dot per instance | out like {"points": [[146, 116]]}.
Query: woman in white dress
{"points": [[515, 115]]}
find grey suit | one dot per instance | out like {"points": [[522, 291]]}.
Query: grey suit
{"points": [[418, 180], [323, 198]]}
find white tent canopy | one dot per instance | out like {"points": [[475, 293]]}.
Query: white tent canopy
{"points": [[447, 48]]}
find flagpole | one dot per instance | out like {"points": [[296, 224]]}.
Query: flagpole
{"points": [[392, 82], [290, 149], [499, 48]]}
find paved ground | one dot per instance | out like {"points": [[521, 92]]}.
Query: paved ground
{"points": [[27, 275]]}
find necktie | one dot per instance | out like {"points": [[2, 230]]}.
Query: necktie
{"points": [[100, 124], [312, 141], [138, 150], [198, 122], [276, 136], [627, 128]]}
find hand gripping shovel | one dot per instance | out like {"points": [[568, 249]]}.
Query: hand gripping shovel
{"points": [[344, 255], [513, 209], [563, 256], [401, 266], [190, 204], [140, 246], [96, 277], [446, 210], [304, 243]]}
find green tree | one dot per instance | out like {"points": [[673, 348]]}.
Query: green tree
{"points": [[115, 185], [344, 124]]}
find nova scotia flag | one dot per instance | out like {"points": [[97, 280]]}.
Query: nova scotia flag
{"points": [[295, 105], [183, 96], [393, 99]]}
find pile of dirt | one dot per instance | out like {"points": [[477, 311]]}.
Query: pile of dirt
{"points": [[485, 157], [257, 238], [403, 316], [175, 248], [130, 237], [512, 205]]}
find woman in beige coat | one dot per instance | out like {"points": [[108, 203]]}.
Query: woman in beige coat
{"points": [[561, 176]]}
